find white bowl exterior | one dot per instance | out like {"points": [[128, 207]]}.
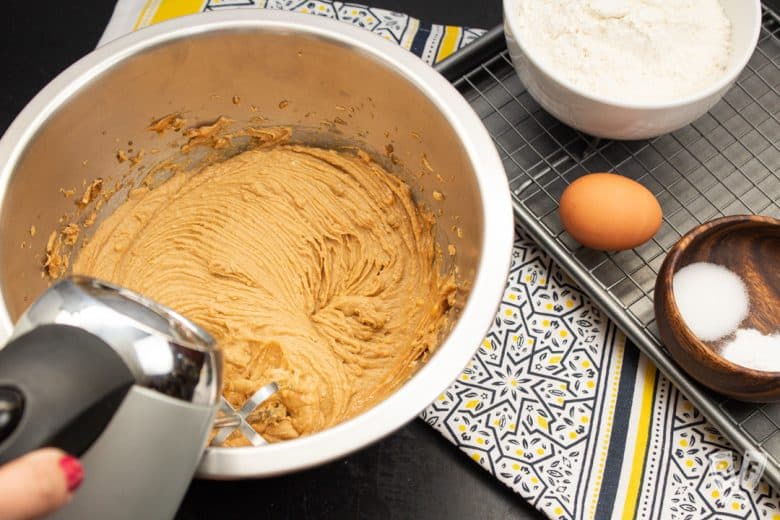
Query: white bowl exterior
{"points": [[613, 120]]}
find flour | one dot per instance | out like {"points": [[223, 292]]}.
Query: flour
{"points": [[629, 50]]}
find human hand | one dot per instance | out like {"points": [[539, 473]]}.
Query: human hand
{"points": [[38, 483]]}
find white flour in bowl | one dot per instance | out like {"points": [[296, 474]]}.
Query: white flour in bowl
{"points": [[629, 50]]}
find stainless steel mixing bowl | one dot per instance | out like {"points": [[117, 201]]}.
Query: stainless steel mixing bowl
{"points": [[292, 69]]}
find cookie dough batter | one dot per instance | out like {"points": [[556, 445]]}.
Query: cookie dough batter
{"points": [[311, 267]]}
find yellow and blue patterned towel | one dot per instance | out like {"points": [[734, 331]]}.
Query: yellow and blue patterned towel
{"points": [[556, 404], [562, 409], [431, 42]]}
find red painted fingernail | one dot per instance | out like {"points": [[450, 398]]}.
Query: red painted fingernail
{"points": [[74, 471]]}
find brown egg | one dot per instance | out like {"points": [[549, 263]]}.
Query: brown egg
{"points": [[609, 212]]}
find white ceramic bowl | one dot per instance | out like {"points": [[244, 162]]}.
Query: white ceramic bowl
{"points": [[603, 117]]}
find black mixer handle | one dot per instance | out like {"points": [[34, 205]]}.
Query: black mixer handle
{"points": [[59, 386]]}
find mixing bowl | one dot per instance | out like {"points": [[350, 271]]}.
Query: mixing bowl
{"points": [[334, 83], [603, 117]]}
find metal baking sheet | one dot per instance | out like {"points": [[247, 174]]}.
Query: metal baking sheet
{"points": [[726, 163]]}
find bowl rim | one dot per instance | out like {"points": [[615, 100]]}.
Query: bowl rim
{"points": [[488, 286], [685, 336], [730, 76]]}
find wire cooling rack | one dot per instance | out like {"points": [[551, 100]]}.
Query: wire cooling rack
{"points": [[726, 163]]}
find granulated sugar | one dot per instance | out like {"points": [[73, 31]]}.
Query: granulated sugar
{"points": [[712, 300], [751, 349]]}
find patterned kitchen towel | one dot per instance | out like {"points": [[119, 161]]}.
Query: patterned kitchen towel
{"points": [[559, 407], [555, 404], [431, 42]]}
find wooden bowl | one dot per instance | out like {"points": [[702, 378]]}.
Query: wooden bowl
{"points": [[749, 246]]}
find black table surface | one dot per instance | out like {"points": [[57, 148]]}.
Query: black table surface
{"points": [[413, 473]]}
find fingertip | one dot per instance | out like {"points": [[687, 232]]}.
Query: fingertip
{"points": [[38, 483], [46, 455]]}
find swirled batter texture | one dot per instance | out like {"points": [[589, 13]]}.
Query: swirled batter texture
{"points": [[312, 268]]}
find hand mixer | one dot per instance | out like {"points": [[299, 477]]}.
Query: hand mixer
{"points": [[126, 384]]}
